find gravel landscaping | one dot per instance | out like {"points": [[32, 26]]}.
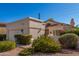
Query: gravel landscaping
{"points": [[65, 52]]}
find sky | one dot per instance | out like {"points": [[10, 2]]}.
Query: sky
{"points": [[10, 12]]}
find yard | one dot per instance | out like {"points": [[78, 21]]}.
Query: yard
{"points": [[65, 52], [14, 52], [42, 46]]}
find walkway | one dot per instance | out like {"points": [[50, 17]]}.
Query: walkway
{"points": [[13, 52]]}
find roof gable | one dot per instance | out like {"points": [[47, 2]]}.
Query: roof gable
{"points": [[52, 22]]}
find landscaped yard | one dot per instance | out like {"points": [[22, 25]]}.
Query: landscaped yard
{"points": [[14, 52], [65, 52], [66, 45]]}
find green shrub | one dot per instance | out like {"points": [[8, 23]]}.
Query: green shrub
{"points": [[69, 31], [69, 40], [46, 45], [23, 39], [26, 51], [2, 37], [7, 45]]}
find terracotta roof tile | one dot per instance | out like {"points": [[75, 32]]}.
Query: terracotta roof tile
{"points": [[2, 25]]}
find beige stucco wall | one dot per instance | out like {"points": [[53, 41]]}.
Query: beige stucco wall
{"points": [[16, 27], [36, 28], [29, 26], [52, 29], [56, 27]]}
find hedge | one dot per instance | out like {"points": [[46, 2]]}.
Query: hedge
{"points": [[26, 52], [45, 45], [69, 40], [69, 31], [23, 39], [2, 37], [7, 45]]}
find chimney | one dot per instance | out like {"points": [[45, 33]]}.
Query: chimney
{"points": [[72, 23]]}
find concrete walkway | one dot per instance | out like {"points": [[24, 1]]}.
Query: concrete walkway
{"points": [[13, 52]]}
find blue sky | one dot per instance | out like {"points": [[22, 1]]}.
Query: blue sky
{"points": [[59, 12]]}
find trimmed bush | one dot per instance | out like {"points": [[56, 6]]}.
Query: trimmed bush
{"points": [[23, 39], [69, 40], [7, 45], [45, 45], [2, 37], [69, 31], [26, 52]]}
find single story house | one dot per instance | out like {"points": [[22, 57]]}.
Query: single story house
{"points": [[34, 27], [29, 25]]}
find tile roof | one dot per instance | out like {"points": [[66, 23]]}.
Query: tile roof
{"points": [[2, 25], [55, 22]]}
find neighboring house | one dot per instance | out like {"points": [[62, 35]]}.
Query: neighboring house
{"points": [[34, 27]]}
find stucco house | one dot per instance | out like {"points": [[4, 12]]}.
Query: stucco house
{"points": [[33, 26], [53, 27], [28, 25]]}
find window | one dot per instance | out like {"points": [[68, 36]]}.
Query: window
{"points": [[22, 31]]}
